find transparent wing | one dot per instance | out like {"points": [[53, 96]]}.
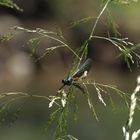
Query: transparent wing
{"points": [[84, 67]]}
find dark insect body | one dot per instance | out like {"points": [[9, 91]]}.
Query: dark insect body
{"points": [[80, 73]]}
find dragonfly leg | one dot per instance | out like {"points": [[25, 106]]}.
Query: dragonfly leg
{"points": [[59, 90]]}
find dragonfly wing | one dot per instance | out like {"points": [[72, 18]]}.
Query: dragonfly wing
{"points": [[83, 68]]}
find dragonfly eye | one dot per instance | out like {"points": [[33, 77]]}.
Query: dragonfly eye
{"points": [[67, 81], [63, 81]]}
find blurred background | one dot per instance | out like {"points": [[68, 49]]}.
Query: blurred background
{"points": [[20, 72]]}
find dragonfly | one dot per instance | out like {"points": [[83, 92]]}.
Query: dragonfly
{"points": [[80, 73]]}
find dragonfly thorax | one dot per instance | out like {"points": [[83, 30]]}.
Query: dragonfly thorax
{"points": [[67, 81]]}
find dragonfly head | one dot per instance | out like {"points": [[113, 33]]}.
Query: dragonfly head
{"points": [[67, 81]]}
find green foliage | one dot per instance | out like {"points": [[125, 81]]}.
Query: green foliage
{"points": [[65, 100], [53, 36], [52, 118], [61, 114], [61, 129], [10, 3], [80, 21], [7, 113], [6, 37], [126, 2], [4, 112], [113, 25]]}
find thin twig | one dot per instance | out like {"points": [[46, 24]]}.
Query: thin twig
{"points": [[95, 24], [48, 36]]}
